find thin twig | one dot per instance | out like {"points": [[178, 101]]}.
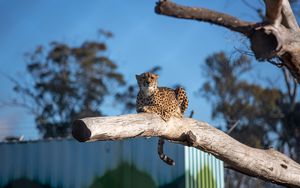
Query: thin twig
{"points": [[191, 114], [233, 126], [276, 63]]}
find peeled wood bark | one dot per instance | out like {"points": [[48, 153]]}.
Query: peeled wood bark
{"points": [[276, 37], [269, 164]]}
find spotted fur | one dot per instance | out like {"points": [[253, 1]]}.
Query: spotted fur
{"points": [[163, 101]]}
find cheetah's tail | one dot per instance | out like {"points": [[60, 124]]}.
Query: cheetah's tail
{"points": [[162, 156], [182, 98]]}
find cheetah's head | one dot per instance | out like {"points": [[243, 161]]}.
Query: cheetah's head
{"points": [[147, 82]]}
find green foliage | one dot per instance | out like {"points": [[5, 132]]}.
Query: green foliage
{"points": [[260, 111], [177, 183], [125, 176], [288, 130], [25, 183], [234, 99], [265, 115], [67, 83]]}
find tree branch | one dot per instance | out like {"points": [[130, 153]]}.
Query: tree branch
{"points": [[273, 11], [277, 37], [289, 19], [169, 8], [267, 164]]}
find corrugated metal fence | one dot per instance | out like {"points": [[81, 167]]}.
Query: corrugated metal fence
{"points": [[70, 164], [202, 170]]}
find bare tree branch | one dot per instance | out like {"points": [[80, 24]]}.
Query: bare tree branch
{"points": [[169, 8], [289, 19], [294, 94], [273, 11], [277, 37], [233, 127], [287, 80], [291, 86], [269, 164]]}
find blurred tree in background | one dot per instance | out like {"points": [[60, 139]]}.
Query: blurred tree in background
{"points": [[265, 115], [67, 83], [253, 107], [262, 116]]}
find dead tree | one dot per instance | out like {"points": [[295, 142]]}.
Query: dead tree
{"points": [[268, 164], [277, 37]]}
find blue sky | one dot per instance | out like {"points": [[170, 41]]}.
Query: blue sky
{"points": [[142, 40]]}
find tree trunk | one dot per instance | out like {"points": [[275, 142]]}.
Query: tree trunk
{"points": [[269, 164]]}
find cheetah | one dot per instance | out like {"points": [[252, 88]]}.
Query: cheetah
{"points": [[165, 102]]}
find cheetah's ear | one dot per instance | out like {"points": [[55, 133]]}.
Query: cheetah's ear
{"points": [[137, 76]]}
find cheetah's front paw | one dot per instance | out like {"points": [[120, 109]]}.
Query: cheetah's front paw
{"points": [[146, 109]]}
